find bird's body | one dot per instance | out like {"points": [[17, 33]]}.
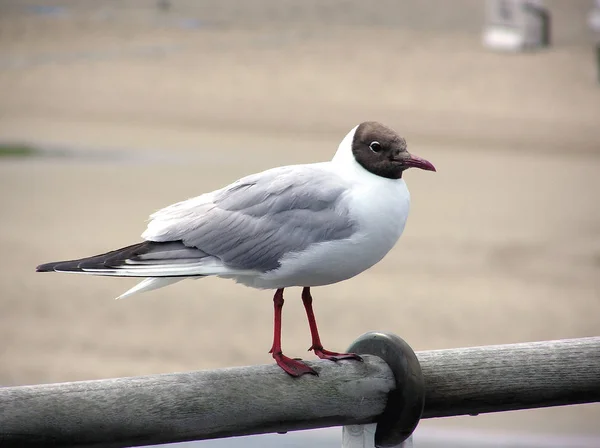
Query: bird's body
{"points": [[301, 225]]}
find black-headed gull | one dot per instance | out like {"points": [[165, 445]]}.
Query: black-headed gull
{"points": [[300, 225]]}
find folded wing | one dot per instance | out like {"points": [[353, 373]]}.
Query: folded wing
{"points": [[254, 222], [245, 228]]}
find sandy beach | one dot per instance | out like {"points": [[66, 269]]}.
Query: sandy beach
{"points": [[149, 107]]}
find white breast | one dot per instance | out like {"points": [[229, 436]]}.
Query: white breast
{"points": [[381, 209], [379, 206]]}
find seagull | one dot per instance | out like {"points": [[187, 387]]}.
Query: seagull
{"points": [[301, 225]]}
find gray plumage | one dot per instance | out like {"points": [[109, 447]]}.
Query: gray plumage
{"points": [[249, 225], [254, 222]]}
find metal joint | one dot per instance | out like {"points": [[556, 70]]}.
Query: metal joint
{"points": [[405, 403]]}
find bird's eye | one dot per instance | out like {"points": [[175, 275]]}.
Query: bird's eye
{"points": [[375, 146]]}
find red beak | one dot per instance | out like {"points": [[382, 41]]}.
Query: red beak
{"points": [[417, 162]]}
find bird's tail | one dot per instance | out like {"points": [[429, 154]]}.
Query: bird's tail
{"points": [[161, 264], [147, 259], [150, 284]]}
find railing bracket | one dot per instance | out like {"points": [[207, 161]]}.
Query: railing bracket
{"points": [[405, 403]]}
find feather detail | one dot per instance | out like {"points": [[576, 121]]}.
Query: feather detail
{"points": [[150, 284]]}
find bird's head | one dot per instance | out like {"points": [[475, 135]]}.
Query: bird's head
{"points": [[381, 151]]}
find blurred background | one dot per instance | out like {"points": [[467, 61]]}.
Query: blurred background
{"points": [[110, 110]]}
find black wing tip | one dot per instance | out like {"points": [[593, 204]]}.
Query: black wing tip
{"points": [[63, 266], [46, 267], [58, 266], [102, 261]]}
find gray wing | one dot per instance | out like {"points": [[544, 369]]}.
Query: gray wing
{"points": [[254, 222]]}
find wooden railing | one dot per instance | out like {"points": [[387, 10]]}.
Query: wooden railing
{"points": [[394, 389]]}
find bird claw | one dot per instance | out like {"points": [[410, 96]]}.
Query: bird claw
{"points": [[293, 367], [334, 356]]}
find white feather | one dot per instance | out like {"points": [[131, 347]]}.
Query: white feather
{"points": [[149, 284], [208, 266]]}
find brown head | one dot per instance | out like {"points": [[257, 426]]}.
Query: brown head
{"points": [[381, 151]]}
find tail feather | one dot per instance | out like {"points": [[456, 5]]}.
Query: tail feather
{"points": [[160, 263], [150, 284], [134, 261]]}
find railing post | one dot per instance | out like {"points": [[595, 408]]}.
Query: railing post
{"points": [[405, 403]]}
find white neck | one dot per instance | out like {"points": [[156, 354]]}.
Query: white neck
{"points": [[344, 154], [344, 158]]}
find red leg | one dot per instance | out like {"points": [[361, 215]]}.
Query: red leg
{"points": [[291, 366], [316, 346]]}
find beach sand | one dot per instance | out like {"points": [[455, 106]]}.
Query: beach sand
{"points": [[502, 245]]}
